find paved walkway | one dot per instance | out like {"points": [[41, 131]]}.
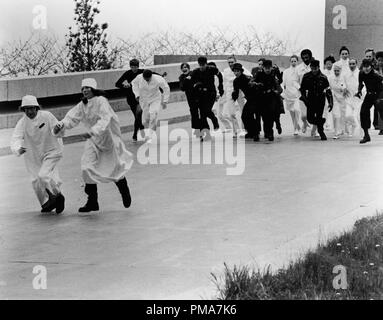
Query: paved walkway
{"points": [[185, 221]]}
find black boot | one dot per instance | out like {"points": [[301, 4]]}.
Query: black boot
{"points": [[366, 137], [50, 205], [60, 203], [122, 186], [256, 138], [321, 130], [92, 203]]}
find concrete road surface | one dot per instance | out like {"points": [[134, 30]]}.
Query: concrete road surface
{"points": [[186, 221]]}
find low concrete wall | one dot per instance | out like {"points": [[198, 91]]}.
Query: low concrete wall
{"points": [[281, 61], [70, 83], [9, 120]]}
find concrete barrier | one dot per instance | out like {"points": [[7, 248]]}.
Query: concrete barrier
{"points": [[282, 62], [70, 83], [58, 93], [10, 120]]}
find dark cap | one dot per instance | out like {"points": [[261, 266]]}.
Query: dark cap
{"points": [[134, 63], [147, 73], [366, 63], [237, 66], [267, 64], [314, 64]]}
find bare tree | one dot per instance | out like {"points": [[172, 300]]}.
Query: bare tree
{"points": [[38, 55]]}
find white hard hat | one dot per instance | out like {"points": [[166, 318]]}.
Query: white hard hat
{"points": [[89, 82], [29, 101]]}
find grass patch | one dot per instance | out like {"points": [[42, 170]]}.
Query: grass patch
{"points": [[311, 277]]}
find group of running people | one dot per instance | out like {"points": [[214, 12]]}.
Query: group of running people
{"points": [[245, 103], [339, 97]]}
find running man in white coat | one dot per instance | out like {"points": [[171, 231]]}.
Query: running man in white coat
{"points": [[233, 109], [105, 158], [338, 88], [291, 93], [146, 87], [33, 136], [353, 103]]}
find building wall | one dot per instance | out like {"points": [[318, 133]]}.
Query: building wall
{"points": [[356, 24]]}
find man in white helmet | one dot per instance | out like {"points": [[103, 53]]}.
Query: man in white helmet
{"points": [[105, 157], [33, 136]]}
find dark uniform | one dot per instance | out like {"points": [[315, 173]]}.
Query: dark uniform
{"points": [[249, 113], [269, 101], [129, 76], [374, 87], [186, 85], [206, 94], [314, 89]]}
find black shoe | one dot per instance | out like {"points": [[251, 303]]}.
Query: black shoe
{"points": [[134, 138], [381, 132], [89, 206], [48, 206], [279, 129], [256, 138], [92, 203], [60, 203], [271, 138], [123, 187], [365, 140], [323, 136]]}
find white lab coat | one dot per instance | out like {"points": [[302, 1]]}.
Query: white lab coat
{"points": [[43, 152], [291, 85], [338, 87], [151, 97], [232, 110], [353, 103], [326, 114], [344, 64], [105, 157]]}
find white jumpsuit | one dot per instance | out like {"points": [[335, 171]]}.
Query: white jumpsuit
{"points": [[326, 114], [338, 87], [344, 64], [43, 152], [232, 110], [291, 93], [151, 97], [302, 69], [105, 158], [353, 103]]}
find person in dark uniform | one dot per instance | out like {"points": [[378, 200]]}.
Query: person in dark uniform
{"points": [[315, 88], [203, 80], [270, 91], [373, 81], [186, 85], [243, 82], [125, 83], [280, 107]]}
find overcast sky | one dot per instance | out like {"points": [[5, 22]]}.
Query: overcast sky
{"points": [[294, 19]]}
